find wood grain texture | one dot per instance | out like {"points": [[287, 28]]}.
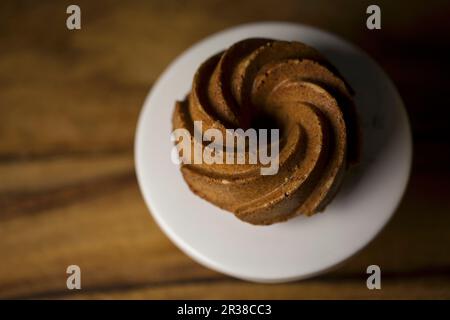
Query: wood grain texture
{"points": [[69, 102]]}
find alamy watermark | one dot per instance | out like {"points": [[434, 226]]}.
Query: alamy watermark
{"points": [[374, 20], [74, 279], [73, 22], [374, 280], [237, 147]]}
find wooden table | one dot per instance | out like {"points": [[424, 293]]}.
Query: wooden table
{"points": [[69, 102]]}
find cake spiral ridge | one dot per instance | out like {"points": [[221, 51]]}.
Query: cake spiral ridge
{"points": [[265, 83]]}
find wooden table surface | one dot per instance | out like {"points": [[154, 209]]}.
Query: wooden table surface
{"points": [[69, 102]]}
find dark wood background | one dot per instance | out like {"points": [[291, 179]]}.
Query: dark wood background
{"points": [[69, 102]]}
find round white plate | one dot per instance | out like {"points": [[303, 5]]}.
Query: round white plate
{"points": [[301, 247]]}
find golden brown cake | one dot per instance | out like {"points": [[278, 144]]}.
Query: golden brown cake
{"points": [[264, 83]]}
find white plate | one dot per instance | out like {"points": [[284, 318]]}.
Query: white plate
{"points": [[301, 247]]}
